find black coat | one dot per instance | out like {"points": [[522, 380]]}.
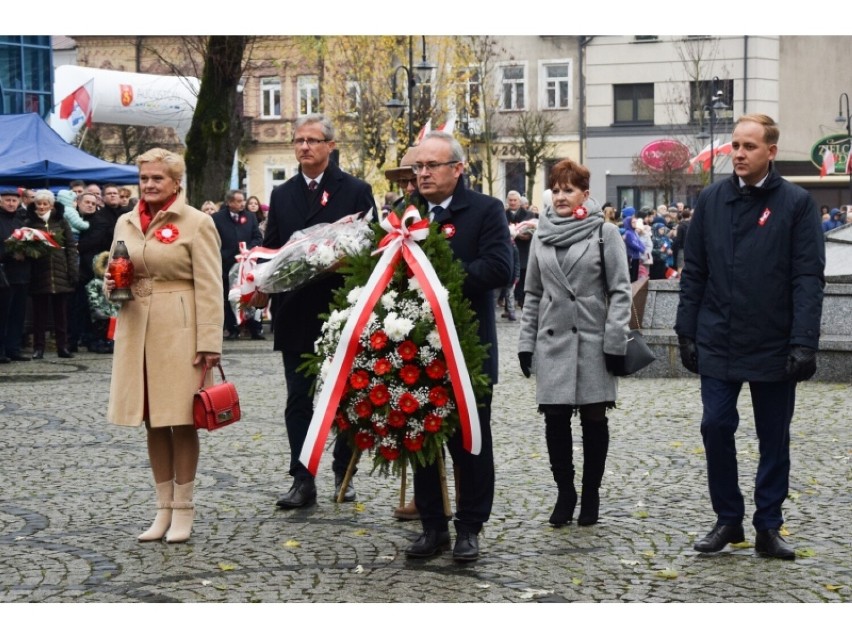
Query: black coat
{"points": [[293, 208], [481, 242], [17, 271], [96, 239], [232, 233], [523, 243], [752, 283], [58, 271]]}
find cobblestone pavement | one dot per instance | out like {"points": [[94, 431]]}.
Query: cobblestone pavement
{"points": [[76, 492]]}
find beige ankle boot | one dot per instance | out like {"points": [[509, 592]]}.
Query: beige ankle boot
{"points": [[165, 495], [183, 512]]}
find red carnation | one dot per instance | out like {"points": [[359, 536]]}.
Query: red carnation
{"points": [[379, 395], [359, 379], [436, 369], [364, 441], [389, 452], [413, 443], [382, 367], [341, 421], [407, 350], [396, 419], [409, 374], [432, 423], [363, 408], [378, 340], [408, 403], [439, 396]]}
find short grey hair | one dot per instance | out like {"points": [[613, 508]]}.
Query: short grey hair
{"points": [[456, 151], [230, 195], [515, 193], [44, 194], [316, 118]]}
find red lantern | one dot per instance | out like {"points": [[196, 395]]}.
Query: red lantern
{"points": [[121, 271]]}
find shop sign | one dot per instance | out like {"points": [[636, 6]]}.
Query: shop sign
{"points": [[837, 145], [665, 155]]}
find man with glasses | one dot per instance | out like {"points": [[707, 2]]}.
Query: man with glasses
{"points": [[479, 237], [319, 193], [112, 202]]}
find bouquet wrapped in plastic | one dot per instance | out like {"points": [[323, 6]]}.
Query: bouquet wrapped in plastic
{"points": [[308, 255], [31, 243], [524, 229]]}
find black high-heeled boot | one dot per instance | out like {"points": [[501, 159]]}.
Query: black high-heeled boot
{"points": [[561, 452], [595, 447]]}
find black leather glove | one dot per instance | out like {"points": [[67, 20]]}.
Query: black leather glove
{"points": [[526, 363], [615, 364], [801, 363], [688, 354]]}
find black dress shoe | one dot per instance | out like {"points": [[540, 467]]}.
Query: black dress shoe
{"points": [[232, 336], [467, 547], [302, 493], [64, 352], [37, 354], [770, 543], [17, 357], [349, 495], [258, 337], [719, 537], [428, 544]]}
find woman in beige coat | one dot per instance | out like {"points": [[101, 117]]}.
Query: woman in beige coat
{"points": [[165, 335]]}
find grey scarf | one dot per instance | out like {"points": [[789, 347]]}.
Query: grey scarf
{"points": [[565, 231]]}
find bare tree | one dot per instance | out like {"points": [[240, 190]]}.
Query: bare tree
{"points": [[533, 130], [217, 124]]}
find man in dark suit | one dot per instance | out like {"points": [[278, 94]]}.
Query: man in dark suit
{"points": [[515, 214], [235, 226], [479, 238], [319, 193], [751, 296]]}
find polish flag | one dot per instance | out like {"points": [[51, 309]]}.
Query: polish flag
{"points": [[427, 128], [77, 106], [828, 162], [448, 126]]}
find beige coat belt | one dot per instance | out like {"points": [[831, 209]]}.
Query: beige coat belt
{"points": [[145, 286]]}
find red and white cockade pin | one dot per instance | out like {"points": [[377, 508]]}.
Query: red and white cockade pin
{"points": [[764, 216], [324, 199], [243, 219], [581, 213], [448, 230]]}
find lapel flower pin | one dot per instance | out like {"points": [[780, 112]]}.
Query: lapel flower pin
{"points": [[324, 199], [448, 230], [167, 233], [581, 213]]}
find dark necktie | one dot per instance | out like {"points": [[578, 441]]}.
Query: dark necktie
{"points": [[435, 212], [312, 185]]}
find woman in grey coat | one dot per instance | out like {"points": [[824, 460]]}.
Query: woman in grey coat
{"points": [[577, 333]]}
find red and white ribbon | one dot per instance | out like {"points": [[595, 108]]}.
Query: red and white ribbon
{"points": [[399, 243], [27, 234]]}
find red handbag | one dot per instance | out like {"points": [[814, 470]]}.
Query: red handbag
{"points": [[217, 405]]}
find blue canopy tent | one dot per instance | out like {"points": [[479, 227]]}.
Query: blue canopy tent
{"points": [[34, 156]]}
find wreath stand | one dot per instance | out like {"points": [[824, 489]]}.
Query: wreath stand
{"points": [[442, 474]]}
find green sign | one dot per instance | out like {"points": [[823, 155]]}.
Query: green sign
{"points": [[837, 145]]}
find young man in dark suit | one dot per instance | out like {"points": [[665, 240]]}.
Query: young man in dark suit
{"points": [[320, 192], [479, 238], [234, 226]]}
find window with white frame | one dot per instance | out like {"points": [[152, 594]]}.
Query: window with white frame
{"points": [[275, 175], [470, 88], [308, 86], [555, 82], [270, 98], [513, 87]]}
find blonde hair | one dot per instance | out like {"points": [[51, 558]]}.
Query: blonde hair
{"points": [[175, 166], [770, 128]]}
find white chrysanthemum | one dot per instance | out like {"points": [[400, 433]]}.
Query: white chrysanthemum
{"points": [[354, 294], [325, 255], [397, 328], [434, 339], [389, 300], [337, 317], [413, 284]]}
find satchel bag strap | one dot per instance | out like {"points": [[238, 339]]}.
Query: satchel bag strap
{"points": [[204, 374], [605, 280]]}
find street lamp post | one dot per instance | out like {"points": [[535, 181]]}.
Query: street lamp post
{"points": [[840, 119], [421, 72], [716, 104]]}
